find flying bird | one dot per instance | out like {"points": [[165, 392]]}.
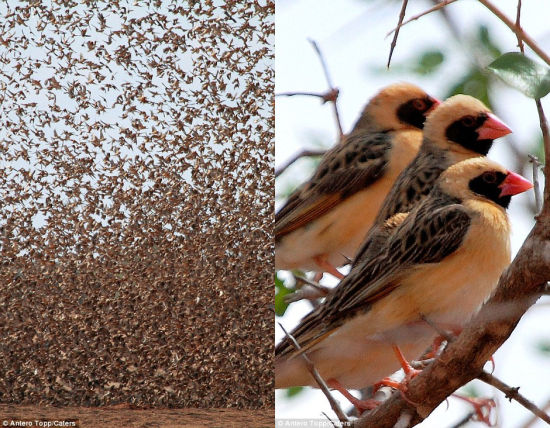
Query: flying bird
{"points": [[439, 263], [324, 221], [460, 128]]}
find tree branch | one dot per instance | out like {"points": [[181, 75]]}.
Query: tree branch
{"points": [[534, 418]]}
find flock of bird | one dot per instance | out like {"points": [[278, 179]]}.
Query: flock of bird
{"points": [[410, 199]]}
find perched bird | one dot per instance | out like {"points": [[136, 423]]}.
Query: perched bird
{"points": [[324, 221], [460, 128], [439, 263]]}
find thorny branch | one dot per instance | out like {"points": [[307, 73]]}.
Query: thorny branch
{"points": [[512, 393]]}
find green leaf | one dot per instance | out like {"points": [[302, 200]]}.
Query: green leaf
{"points": [[485, 40], [429, 62], [280, 292], [293, 391], [476, 84], [543, 347], [522, 73]]}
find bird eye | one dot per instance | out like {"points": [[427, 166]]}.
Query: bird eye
{"points": [[419, 104], [468, 121], [490, 177]]}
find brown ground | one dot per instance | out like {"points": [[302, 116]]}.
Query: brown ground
{"points": [[118, 416]]}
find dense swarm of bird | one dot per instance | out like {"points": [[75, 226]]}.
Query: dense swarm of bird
{"points": [[135, 180]]}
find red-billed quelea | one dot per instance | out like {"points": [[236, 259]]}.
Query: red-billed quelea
{"points": [[460, 128], [324, 221], [439, 262]]}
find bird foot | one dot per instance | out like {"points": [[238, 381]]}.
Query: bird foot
{"points": [[403, 385], [327, 267], [482, 407], [360, 405]]}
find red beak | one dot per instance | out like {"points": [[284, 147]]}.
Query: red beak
{"points": [[492, 128], [514, 184]]}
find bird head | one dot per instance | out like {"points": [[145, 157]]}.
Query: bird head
{"points": [[481, 178], [396, 107], [464, 124]]}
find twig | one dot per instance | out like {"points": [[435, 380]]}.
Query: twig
{"points": [[309, 282], [546, 139], [518, 25], [330, 420], [331, 86], [420, 15], [464, 420], [303, 153], [394, 41], [322, 385], [327, 96], [323, 62], [306, 293], [512, 394], [317, 292], [536, 186], [518, 31], [535, 418]]}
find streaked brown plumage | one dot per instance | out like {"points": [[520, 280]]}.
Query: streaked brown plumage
{"points": [[440, 261], [460, 128], [327, 217]]}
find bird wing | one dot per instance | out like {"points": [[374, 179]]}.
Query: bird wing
{"points": [[343, 171], [426, 235], [414, 182], [377, 236]]}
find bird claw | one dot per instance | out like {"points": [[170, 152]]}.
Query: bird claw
{"points": [[360, 405], [327, 267], [402, 386], [479, 405]]}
